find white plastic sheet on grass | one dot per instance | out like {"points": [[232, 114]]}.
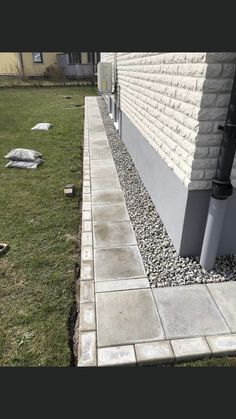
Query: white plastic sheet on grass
{"points": [[42, 126], [24, 164], [23, 154]]}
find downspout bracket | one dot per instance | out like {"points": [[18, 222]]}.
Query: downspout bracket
{"points": [[221, 190]]}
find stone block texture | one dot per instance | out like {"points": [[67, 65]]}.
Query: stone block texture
{"points": [[177, 101]]}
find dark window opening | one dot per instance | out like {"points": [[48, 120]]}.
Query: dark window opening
{"points": [[38, 57], [74, 58]]}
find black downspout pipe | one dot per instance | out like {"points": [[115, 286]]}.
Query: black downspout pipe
{"points": [[221, 186]]}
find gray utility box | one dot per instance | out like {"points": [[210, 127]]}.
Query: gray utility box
{"points": [[105, 78]]}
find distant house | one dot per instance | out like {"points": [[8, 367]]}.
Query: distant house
{"points": [[28, 64], [78, 64], [34, 64]]}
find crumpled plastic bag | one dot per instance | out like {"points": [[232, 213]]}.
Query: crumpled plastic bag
{"points": [[23, 154], [24, 164], [42, 126]]}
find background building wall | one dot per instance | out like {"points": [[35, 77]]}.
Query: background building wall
{"points": [[8, 63], [38, 69]]}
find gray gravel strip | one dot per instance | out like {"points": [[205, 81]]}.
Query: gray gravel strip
{"points": [[163, 266]]}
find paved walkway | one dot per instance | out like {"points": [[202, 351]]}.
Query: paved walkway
{"points": [[123, 321]]}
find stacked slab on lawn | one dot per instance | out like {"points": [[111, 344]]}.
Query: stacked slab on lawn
{"points": [[122, 320]]}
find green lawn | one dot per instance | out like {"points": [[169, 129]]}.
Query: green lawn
{"points": [[37, 274]]}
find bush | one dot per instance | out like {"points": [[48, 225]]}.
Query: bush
{"points": [[55, 74]]}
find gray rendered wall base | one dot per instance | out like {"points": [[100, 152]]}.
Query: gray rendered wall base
{"points": [[182, 211]]}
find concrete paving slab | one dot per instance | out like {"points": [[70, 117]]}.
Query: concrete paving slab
{"points": [[100, 148], [86, 253], [225, 297], [86, 183], [87, 291], [87, 189], [117, 212], [104, 184], [188, 311], [96, 144], [97, 136], [222, 345], [107, 197], [86, 215], [103, 163], [113, 234], [87, 197], [100, 155], [87, 349], [127, 317], [87, 205], [87, 317], [116, 356], [118, 263], [108, 172], [86, 226], [121, 284], [86, 272], [192, 348], [154, 353], [87, 238]]}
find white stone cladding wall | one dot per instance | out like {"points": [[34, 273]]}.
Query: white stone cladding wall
{"points": [[177, 101]]}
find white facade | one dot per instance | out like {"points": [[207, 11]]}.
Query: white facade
{"points": [[177, 101]]}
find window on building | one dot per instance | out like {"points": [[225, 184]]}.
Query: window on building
{"points": [[37, 57], [90, 57], [74, 58]]}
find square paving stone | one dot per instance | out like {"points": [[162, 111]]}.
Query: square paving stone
{"points": [[103, 184], [87, 349], [127, 317], [87, 197], [86, 215], [117, 212], [103, 163], [188, 311], [115, 234], [86, 226], [100, 148], [108, 172], [116, 356], [95, 137], [117, 263], [87, 317], [154, 353], [191, 348], [107, 197], [87, 291], [222, 345], [225, 297], [86, 271], [100, 154], [86, 238], [86, 253], [96, 144]]}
